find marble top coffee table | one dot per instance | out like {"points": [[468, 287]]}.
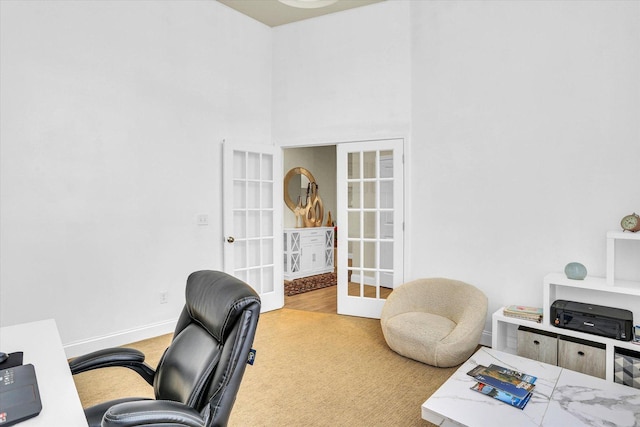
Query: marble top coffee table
{"points": [[561, 398]]}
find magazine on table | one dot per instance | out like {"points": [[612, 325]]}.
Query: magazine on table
{"points": [[501, 370], [500, 395], [504, 384]]}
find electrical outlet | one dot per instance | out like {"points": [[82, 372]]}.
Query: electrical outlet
{"points": [[164, 297], [202, 219]]}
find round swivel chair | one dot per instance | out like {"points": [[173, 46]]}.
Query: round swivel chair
{"points": [[435, 321]]}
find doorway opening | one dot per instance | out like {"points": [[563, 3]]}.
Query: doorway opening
{"points": [[310, 260], [369, 213], [361, 185]]}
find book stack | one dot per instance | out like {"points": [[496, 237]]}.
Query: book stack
{"points": [[523, 312], [506, 385]]}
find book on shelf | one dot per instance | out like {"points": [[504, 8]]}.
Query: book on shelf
{"points": [[523, 312], [504, 384], [537, 319]]}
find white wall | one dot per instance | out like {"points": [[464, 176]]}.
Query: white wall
{"points": [[525, 124], [113, 115], [343, 76]]}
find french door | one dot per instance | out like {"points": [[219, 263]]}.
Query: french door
{"points": [[252, 184], [370, 193]]}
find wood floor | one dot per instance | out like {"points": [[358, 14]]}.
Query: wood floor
{"points": [[325, 300], [322, 300]]}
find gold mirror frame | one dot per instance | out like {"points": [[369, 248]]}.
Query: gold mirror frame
{"points": [[291, 204]]}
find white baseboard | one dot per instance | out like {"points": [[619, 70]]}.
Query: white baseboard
{"points": [[119, 338]]}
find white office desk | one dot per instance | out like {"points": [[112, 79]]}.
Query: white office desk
{"points": [[40, 342]]}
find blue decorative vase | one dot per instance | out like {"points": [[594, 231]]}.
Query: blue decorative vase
{"points": [[575, 271]]}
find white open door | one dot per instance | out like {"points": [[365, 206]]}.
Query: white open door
{"points": [[370, 224], [252, 182]]}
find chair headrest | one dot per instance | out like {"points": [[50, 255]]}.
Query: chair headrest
{"points": [[215, 299]]}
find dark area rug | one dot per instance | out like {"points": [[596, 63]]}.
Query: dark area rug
{"points": [[311, 283]]}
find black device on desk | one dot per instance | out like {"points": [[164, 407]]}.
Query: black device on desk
{"points": [[10, 360], [19, 394], [610, 322]]}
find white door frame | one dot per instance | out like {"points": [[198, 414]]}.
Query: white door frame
{"points": [[407, 183]]}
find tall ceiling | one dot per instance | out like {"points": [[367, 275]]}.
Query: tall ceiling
{"points": [[274, 13]]}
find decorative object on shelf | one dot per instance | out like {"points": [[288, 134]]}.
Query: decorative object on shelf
{"points": [[314, 207], [299, 211], [575, 271], [329, 220], [631, 223]]}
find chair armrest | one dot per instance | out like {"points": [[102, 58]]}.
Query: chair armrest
{"points": [[110, 357], [152, 412]]}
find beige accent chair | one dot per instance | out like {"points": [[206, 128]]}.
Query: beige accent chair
{"points": [[435, 321]]}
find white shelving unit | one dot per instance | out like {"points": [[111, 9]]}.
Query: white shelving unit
{"points": [[594, 290], [612, 237]]}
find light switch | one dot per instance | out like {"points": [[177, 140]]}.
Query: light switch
{"points": [[202, 219]]}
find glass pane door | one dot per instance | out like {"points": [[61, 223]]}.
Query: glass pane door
{"points": [[250, 228], [370, 238]]}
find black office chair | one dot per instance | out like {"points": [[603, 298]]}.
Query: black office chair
{"points": [[199, 375]]}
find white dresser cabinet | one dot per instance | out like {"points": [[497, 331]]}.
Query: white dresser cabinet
{"points": [[307, 251]]}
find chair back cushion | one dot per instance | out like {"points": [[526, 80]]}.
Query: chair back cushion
{"points": [[206, 343]]}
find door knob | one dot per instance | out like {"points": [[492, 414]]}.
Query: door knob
{"points": [[230, 239]]}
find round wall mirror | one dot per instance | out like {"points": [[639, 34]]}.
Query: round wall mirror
{"points": [[295, 186]]}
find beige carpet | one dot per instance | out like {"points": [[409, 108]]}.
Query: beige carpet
{"points": [[112, 383], [313, 369]]}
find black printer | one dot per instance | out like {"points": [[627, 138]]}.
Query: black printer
{"points": [[594, 319]]}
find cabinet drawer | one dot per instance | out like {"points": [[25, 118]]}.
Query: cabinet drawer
{"points": [[582, 356], [627, 367], [538, 345], [315, 238]]}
